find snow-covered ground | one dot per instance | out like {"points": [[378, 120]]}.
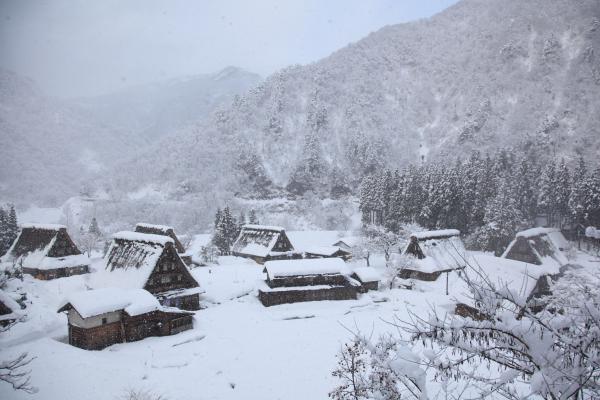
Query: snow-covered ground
{"points": [[238, 349]]}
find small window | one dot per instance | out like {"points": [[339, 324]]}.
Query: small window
{"points": [[165, 279], [179, 277], [104, 321]]}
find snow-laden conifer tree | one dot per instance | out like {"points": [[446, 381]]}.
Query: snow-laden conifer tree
{"points": [[547, 192], [252, 218]]}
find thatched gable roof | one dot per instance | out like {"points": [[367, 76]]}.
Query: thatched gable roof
{"points": [[161, 230], [50, 240], [436, 251], [539, 246], [262, 241], [45, 247], [132, 257]]}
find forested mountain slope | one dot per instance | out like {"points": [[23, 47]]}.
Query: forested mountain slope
{"points": [[482, 74], [51, 149]]}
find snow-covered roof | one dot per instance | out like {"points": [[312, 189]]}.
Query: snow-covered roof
{"points": [[592, 232], [350, 241], [367, 274], [528, 233], [304, 267], [12, 305], [260, 241], [48, 227], [162, 228], [264, 227], [143, 237], [45, 246], [438, 252], [46, 263], [323, 250], [518, 277], [544, 245], [128, 263], [90, 303], [443, 233]]}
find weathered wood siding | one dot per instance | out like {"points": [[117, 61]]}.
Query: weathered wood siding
{"points": [[422, 276], [294, 296], [49, 274]]}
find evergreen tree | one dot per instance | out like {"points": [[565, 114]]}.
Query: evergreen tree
{"points": [[254, 175], [12, 227], [242, 218], [4, 234], [300, 181], [469, 187], [525, 178], [218, 216], [252, 218], [339, 183], [546, 195], [592, 198], [230, 228], [502, 219], [219, 239], [93, 228], [562, 192], [577, 195]]}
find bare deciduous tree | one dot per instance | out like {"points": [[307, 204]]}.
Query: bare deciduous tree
{"points": [[14, 372], [511, 350]]}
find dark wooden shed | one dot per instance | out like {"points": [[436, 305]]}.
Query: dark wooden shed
{"points": [[103, 317], [306, 280]]}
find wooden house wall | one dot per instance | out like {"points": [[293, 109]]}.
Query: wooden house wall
{"points": [[76, 319], [189, 302], [422, 276], [170, 273], [344, 255], [95, 338], [268, 299], [49, 274], [366, 286], [129, 329], [283, 243], [307, 280], [63, 245]]}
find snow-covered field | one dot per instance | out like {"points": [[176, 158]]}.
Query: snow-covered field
{"points": [[238, 349]]}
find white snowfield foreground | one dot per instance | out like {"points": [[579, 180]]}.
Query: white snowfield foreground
{"points": [[238, 349]]}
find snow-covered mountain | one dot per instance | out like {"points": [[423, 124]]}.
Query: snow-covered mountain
{"points": [[154, 110], [481, 74], [51, 148], [47, 148]]}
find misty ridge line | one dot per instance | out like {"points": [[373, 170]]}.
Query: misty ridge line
{"points": [[478, 76]]}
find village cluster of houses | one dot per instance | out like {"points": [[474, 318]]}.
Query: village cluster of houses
{"points": [[145, 287]]}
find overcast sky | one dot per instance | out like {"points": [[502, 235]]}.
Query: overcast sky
{"points": [[79, 48]]}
